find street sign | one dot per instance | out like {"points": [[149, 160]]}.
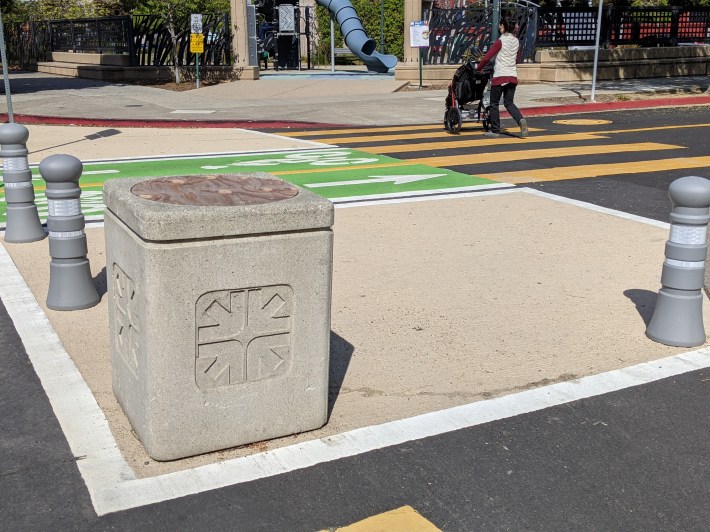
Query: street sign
{"points": [[419, 34], [196, 23], [197, 43]]}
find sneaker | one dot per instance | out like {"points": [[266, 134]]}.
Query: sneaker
{"points": [[523, 128], [491, 134]]}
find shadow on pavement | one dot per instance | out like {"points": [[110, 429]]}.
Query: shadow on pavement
{"points": [[645, 302], [341, 351]]}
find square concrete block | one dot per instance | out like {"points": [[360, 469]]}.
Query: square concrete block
{"points": [[219, 313]]}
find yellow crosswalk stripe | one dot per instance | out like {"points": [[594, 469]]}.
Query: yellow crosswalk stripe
{"points": [[598, 170], [337, 131], [521, 155], [655, 128], [401, 519], [410, 136], [476, 142]]}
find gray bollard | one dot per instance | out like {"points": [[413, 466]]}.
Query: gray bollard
{"points": [[23, 223], [678, 317], [70, 284]]}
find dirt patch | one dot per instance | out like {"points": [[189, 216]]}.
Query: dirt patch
{"points": [[172, 86]]}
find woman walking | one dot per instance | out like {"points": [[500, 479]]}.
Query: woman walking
{"points": [[505, 78]]}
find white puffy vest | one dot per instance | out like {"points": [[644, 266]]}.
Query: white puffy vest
{"points": [[507, 57]]}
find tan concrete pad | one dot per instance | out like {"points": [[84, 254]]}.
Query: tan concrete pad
{"points": [[91, 143], [437, 304]]}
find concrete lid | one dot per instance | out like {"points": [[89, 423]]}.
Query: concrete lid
{"points": [[158, 221]]}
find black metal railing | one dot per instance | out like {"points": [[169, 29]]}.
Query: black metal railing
{"points": [[456, 33], [109, 35], [27, 43], [623, 26], [152, 43]]}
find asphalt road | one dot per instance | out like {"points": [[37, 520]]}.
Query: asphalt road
{"points": [[632, 459]]}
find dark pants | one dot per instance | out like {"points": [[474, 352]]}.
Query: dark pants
{"points": [[507, 91]]}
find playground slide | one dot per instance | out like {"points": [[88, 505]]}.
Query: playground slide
{"points": [[355, 37]]}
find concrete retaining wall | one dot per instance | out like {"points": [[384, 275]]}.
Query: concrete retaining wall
{"points": [[578, 65]]}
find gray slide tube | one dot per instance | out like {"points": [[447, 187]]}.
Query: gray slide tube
{"points": [[355, 37]]}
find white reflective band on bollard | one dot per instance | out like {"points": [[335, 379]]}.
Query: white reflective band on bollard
{"points": [[23, 224], [689, 234], [678, 317], [65, 234], [70, 207]]}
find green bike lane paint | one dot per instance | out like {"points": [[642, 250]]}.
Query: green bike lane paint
{"points": [[339, 174]]}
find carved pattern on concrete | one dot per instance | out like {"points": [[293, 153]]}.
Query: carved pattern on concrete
{"points": [[243, 335], [126, 317]]}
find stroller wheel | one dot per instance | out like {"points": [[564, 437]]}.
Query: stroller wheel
{"points": [[452, 120]]}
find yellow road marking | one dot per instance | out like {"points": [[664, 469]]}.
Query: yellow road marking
{"points": [[582, 122], [598, 170], [402, 519], [334, 131], [428, 135], [471, 143], [521, 155], [655, 128], [437, 131]]}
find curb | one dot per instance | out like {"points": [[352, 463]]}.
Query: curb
{"points": [[590, 107]]}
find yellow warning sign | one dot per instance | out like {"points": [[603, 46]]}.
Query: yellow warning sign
{"points": [[197, 43], [582, 122]]}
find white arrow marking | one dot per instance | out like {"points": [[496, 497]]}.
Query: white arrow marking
{"points": [[396, 179]]}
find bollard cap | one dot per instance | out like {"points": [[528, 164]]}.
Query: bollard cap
{"points": [[61, 169], [690, 198], [13, 134], [690, 191]]}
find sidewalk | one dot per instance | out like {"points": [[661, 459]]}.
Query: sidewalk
{"points": [[301, 98]]}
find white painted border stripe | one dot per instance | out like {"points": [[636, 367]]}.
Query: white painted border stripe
{"points": [[591, 206], [83, 422], [139, 492], [440, 193]]}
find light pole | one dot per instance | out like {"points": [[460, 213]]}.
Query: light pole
{"points": [[3, 55], [495, 21], [382, 26]]}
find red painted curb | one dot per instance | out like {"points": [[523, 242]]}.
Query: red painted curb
{"points": [[590, 107], [158, 123]]}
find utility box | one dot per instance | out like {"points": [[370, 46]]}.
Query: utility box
{"points": [[219, 294]]}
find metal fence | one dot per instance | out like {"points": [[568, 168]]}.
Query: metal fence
{"points": [[144, 38], [152, 44], [623, 26], [109, 35], [27, 43], [455, 33]]}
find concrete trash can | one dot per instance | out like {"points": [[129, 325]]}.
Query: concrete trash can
{"points": [[219, 294]]}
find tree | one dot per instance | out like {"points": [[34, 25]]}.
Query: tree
{"points": [[176, 13]]}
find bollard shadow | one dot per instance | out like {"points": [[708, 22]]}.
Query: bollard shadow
{"points": [[101, 282], [94, 136], [645, 302], [341, 351]]}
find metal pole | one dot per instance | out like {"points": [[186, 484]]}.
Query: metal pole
{"points": [[332, 46], [382, 26], [495, 21], [596, 49], [3, 55]]}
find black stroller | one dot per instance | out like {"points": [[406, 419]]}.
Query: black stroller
{"points": [[465, 89]]}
